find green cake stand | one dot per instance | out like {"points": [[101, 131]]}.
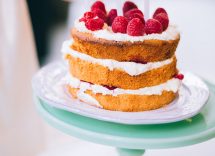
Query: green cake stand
{"points": [[133, 140]]}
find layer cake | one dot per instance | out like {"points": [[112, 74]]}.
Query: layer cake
{"points": [[128, 64]]}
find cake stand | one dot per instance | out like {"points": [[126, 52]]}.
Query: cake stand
{"points": [[133, 140]]}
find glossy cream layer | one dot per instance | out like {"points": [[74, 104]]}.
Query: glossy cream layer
{"points": [[171, 85], [130, 68]]}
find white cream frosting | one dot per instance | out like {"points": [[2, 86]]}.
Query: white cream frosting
{"points": [[87, 98], [106, 33], [130, 68], [171, 85]]}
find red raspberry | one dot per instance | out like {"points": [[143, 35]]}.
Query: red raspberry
{"points": [[82, 19], [94, 24], [128, 6], [163, 19], [133, 11], [180, 76], [119, 24], [136, 15], [87, 15], [98, 5], [111, 16], [158, 11], [135, 27], [100, 14], [153, 26]]}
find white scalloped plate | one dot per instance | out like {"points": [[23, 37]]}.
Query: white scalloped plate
{"points": [[48, 86]]}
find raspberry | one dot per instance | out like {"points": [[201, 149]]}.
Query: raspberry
{"points": [[98, 5], [128, 6], [119, 24], [111, 16], [158, 11], [100, 14], [153, 26], [135, 27], [87, 15], [133, 11], [82, 19], [136, 15], [180, 76], [163, 19], [94, 24]]}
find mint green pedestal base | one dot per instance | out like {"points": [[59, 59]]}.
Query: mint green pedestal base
{"points": [[130, 152], [132, 140]]}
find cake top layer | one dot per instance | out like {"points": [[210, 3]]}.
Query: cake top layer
{"points": [[129, 27]]}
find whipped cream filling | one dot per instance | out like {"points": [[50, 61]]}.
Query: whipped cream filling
{"points": [[106, 33], [87, 98], [171, 85], [130, 68]]}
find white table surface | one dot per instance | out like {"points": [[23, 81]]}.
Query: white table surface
{"points": [[196, 53]]}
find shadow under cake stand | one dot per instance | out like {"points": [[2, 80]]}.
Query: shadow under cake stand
{"points": [[133, 140]]}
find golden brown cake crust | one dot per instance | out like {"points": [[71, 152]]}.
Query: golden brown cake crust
{"points": [[98, 74], [128, 102], [146, 51]]}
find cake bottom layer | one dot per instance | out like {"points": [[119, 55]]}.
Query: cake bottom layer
{"points": [[124, 102]]}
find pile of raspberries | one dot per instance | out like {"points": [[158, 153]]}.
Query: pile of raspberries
{"points": [[132, 22]]}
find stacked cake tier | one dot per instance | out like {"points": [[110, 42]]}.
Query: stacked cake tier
{"points": [[120, 72]]}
